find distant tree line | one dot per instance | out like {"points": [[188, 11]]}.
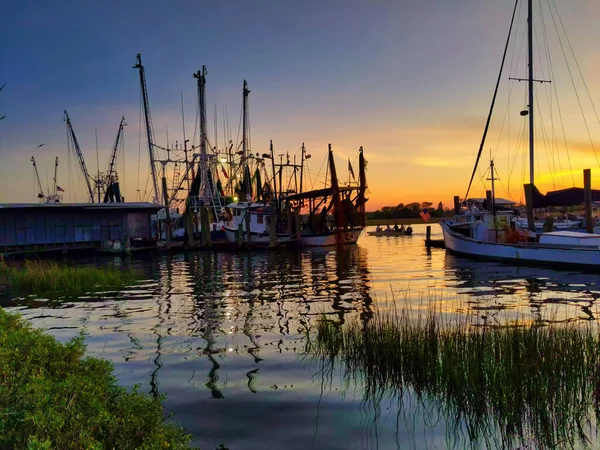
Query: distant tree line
{"points": [[408, 211]]}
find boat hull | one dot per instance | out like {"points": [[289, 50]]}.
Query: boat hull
{"points": [[329, 238], [260, 240], [521, 252]]}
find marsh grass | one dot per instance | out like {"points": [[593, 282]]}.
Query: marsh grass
{"points": [[501, 386], [53, 397], [52, 279]]}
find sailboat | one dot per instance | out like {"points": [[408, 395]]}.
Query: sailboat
{"points": [[492, 233]]}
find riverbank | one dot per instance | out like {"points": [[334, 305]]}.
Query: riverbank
{"points": [[410, 221], [51, 396]]}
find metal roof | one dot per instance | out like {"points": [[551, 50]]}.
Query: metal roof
{"points": [[85, 206]]}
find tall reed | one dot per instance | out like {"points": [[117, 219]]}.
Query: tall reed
{"points": [[51, 278], [522, 384]]}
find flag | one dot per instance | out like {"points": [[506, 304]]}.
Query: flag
{"points": [[59, 189], [350, 169], [224, 172], [425, 215]]}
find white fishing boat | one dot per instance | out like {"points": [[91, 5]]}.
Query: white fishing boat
{"points": [[258, 217], [500, 234]]}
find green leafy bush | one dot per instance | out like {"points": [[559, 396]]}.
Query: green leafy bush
{"points": [[51, 396]]}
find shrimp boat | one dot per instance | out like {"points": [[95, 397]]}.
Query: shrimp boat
{"points": [[335, 215], [496, 233]]}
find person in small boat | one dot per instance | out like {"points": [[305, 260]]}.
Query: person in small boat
{"points": [[388, 229], [378, 229], [402, 227], [395, 227], [408, 230]]}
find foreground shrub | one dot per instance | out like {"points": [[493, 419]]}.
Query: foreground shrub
{"points": [[53, 397]]}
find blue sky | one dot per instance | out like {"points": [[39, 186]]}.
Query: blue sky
{"points": [[409, 80]]}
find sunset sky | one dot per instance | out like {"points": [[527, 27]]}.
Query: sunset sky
{"points": [[410, 81]]}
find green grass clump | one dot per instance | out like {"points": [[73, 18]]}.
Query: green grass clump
{"points": [[50, 278], [522, 384], [53, 397]]}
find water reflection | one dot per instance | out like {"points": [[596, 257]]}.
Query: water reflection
{"points": [[526, 293], [221, 334]]}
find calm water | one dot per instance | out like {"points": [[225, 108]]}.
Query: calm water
{"points": [[222, 334]]}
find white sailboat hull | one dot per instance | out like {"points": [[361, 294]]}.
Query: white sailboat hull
{"points": [[329, 238], [523, 252]]}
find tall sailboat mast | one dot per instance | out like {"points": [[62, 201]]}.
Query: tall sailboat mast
{"points": [[530, 87]]}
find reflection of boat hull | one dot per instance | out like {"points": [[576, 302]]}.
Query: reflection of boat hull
{"points": [[329, 238], [388, 233], [256, 239], [521, 252]]}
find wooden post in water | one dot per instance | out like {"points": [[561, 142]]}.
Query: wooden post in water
{"points": [[428, 236], [273, 229], [189, 225], [489, 201], [587, 198], [206, 226], [456, 205], [239, 236], [529, 206], [247, 223], [298, 224], [167, 212]]}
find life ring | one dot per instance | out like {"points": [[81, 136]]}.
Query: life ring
{"points": [[109, 243]]}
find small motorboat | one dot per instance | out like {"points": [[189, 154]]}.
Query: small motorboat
{"points": [[406, 232]]}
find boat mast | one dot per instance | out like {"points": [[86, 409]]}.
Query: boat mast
{"points": [[138, 65], [203, 169], [302, 166], [246, 91], [362, 177], [37, 177], [86, 174], [337, 201], [530, 87], [55, 174]]}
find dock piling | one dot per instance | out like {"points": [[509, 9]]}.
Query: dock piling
{"points": [[529, 206], [587, 198], [456, 205]]}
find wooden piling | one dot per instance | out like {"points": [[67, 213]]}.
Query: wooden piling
{"points": [[298, 224], [247, 222], [428, 235], [529, 206], [189, 226], [167, 212], [273, 229], [489, 200], [587, 198], [239, 236], [206, 227], [456, 205]]}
